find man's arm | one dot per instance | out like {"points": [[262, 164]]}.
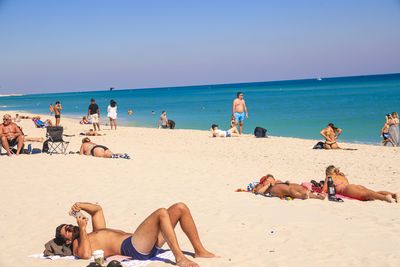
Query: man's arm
{"points": [[17, 131], [81, 246], [94, 210], [245, 109]]}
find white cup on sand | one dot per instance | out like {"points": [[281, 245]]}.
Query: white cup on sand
{"points": [[98, 256]]}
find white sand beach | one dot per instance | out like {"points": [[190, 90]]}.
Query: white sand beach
{"points": [[169, 166]]}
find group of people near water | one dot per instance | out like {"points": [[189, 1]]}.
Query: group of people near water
{"points": [[93, 114]]}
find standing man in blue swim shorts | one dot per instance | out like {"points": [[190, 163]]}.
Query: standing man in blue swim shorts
{"points": [[239, 110]]}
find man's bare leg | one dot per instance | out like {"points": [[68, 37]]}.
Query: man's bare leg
{"points": [[240, 127], [179, 212], [146, 236], [20, 144], [4, 142]]}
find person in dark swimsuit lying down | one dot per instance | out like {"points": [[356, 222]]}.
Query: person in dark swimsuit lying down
{"points": [[89, 148], [277, 188]]}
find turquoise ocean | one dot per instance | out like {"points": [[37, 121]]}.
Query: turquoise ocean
{"points": [[293, 108]]}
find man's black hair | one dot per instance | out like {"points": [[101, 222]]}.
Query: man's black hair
{"points": [[239, 93], [92, 100], [58, 102], [213, 126], [59, 239]]}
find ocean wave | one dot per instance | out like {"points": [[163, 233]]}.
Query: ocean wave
{"points": [[11, 95]]}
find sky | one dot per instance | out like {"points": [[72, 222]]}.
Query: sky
{"points": [[63, 46]]}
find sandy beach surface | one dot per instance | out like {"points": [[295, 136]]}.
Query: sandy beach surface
{"points": [[169, 166]]}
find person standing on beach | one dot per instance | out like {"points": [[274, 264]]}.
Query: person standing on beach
{"points": [[112, 114], [94, 114], [239, 111], [51, 109], [57, 112]]}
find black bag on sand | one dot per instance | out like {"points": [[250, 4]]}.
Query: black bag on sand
{"points": [[319, 145], [171, 124], [260, 132]]}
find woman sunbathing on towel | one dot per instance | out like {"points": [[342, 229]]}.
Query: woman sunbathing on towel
{"points": [[360, 192], [277, 188], [89, 148]]}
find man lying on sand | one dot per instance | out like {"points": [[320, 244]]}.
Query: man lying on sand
{"points": [[143, 244], [277, 188], [331, 134], [232, 132], [11, 135], [89, 148], [91, 132], [360, 192]]}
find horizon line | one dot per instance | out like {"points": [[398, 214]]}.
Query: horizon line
{"points": [[201, 85]]}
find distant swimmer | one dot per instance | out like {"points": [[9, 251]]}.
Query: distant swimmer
{"points": [[239, 111], [331, 134], [130, 112], [153, 112]]}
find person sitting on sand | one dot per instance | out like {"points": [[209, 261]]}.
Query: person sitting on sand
{"points": [[163, 121], [89, 148], [232, 132], [156, 230], [91, 132], [11, 135], [84, 120], [359, 192], [277, 188], [331, 134]]}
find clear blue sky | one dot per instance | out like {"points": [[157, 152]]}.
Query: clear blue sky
{"points": [[59, 46]]}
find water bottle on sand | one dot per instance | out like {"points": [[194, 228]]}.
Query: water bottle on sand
{"points": [[332, 191]]}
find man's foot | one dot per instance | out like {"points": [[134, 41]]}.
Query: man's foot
{"points": [[204, 254], [185, 262], [389, 198], [397, 197]]}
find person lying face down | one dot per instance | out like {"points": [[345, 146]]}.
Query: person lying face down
{"points": [[232, 132], [268, 185], [89, 148], [156, 230], [359, 192]]}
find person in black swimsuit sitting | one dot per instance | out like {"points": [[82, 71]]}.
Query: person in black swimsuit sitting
{"points": [[268, 185], [89, 148]]}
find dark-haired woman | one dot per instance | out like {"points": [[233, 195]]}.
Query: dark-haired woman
{"points": [[112, 114]]}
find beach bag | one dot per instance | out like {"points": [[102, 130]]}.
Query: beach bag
{"points": [[319, 145], [45, 147], [171, 124], [260, 132]]}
